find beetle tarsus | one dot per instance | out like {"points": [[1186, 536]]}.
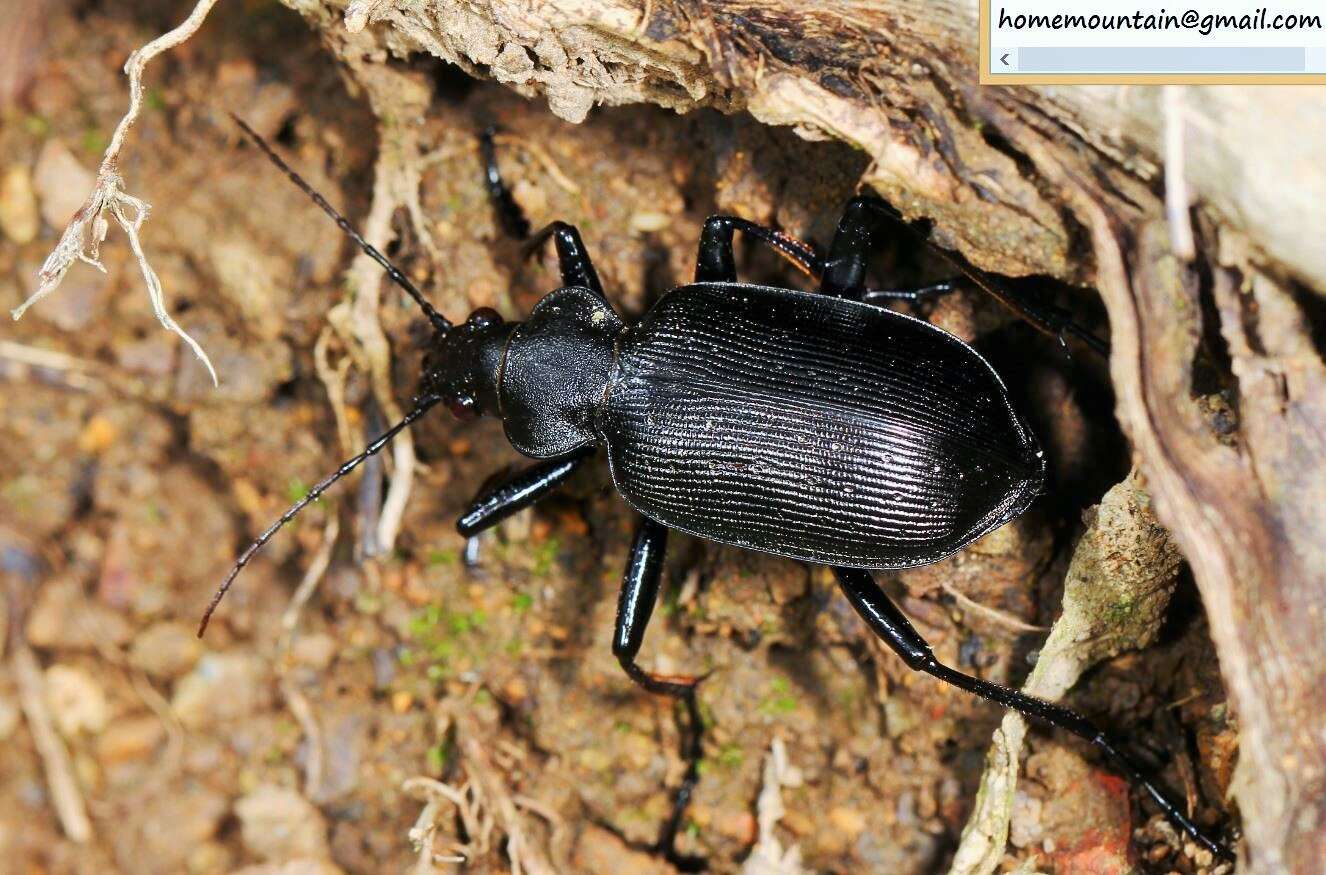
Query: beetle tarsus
{"points": [[635, 606], [914, 296]]}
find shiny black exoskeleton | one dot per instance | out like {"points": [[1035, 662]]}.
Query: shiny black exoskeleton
{"points": [[820, 427]]}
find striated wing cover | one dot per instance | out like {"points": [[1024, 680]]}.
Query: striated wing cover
{"points": [[813, 427]]}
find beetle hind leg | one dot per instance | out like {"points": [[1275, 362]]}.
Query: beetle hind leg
{"points": [[893, 628], [635, 606]]}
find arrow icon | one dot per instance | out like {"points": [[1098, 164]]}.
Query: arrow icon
{"points": [[1003, 59]]}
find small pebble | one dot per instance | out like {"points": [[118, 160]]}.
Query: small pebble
{"points": [[61, 182], [76, 701], [51, 623], [316, 651], [129, 738], [649, 222], [848, 820], [166, 650], [222, 687], [277, 824], [19, 219]]}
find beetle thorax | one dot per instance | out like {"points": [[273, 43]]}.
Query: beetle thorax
{"points": [[555, 372]]}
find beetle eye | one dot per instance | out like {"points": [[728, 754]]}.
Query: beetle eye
{"points": [[484, 317], [463, 408]]}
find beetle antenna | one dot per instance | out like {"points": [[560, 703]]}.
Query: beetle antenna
{"points": [[440, 322], [421, 407]]}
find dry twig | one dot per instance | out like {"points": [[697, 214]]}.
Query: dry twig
{"points": [[1115, 593], [81, 240]]}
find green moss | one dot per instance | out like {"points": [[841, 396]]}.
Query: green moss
{"points": [[439, 755], [94, 141], [296, 489], [36, 125], [522, 602], [544, 557], [780, 701], [443, 557]]}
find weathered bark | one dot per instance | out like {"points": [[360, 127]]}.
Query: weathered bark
{"points": [[1060, 181]]}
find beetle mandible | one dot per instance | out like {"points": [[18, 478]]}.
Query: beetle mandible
{"points": [[816, 426]]}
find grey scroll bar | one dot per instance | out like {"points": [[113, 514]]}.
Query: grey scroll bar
{"points": [[1160, 59]]}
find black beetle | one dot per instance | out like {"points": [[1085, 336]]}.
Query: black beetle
{"points": [[819, 427]]}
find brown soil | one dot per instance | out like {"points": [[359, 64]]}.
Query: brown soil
{"points": [[128, 484]]}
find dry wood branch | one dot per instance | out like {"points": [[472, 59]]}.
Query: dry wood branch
{"points": [[1118, 586]]}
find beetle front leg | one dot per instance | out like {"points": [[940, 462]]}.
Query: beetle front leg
{"points": [[523, 489], [894, 629], [572, 258]]}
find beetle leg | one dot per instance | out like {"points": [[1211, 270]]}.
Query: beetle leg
{"points": [[893, 628], [859, 233], [509, 213], [495, 504], [644, 572], [572, 259], [715, 262], [935, 290], [865, 221], [635, 606]]}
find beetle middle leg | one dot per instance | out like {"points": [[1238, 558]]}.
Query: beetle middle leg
{"points": [[635, 606], [865, 222], [716, 262], [894, 629]]}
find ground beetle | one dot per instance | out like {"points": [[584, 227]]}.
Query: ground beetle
{"points": [[820, 427]]}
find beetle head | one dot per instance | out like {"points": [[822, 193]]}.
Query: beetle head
{"points": [[460, 366]]}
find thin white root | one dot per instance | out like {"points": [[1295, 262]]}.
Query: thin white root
{"points": [[309, 584], [66, 798], [82, 239], [768, 857], [1177, 201], [994, 615]]}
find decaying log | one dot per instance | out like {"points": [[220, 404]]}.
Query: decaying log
{"points": [[1059, 181]]}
